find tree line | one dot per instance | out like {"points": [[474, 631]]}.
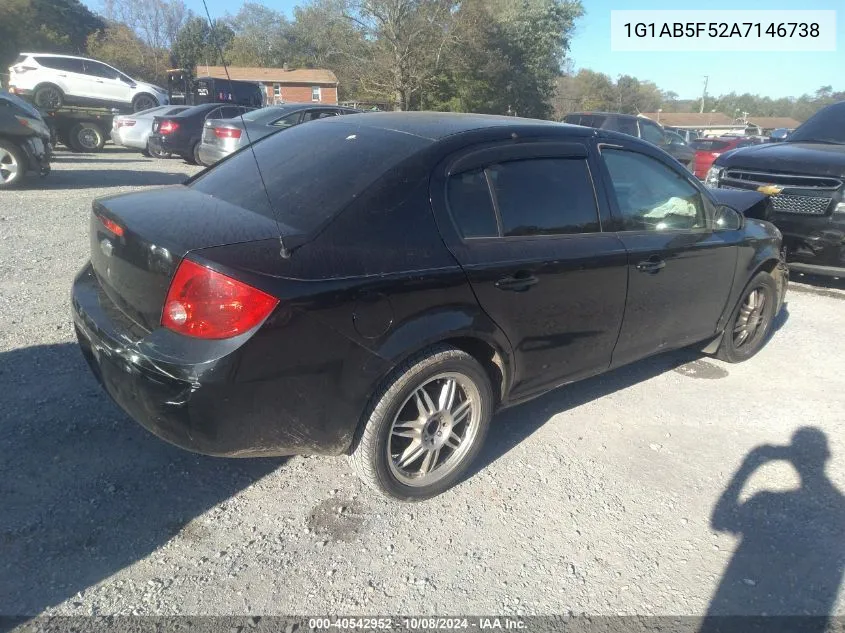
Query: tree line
{"points": [[488, 56]]}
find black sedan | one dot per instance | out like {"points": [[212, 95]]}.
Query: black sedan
{"points": [[181, 134], [384, 298]]}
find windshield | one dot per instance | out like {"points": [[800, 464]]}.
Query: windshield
{"points": [[825, 126], [307, 187]]}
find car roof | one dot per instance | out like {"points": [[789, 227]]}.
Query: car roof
{"points": [[619, 114], [438, 125], [88, 59]]}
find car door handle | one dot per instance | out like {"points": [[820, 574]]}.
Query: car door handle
{"points": [[519, 282], [651, 265], [99, 81]]}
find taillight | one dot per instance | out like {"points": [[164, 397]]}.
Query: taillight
{"points": [[111, 225], [227, 132], [168, 127], [206, 304]]}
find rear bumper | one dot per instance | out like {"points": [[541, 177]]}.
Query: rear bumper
{"points": [[164, 144], [210, 154], [232, 403]]}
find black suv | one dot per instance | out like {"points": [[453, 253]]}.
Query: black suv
{"points": [[805, 177], [638, 126]]}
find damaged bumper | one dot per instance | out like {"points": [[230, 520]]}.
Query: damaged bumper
{"points": [[201, 405], [814, 245]]}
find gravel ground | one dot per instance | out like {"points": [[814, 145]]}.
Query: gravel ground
{"points": [[596, 498]]}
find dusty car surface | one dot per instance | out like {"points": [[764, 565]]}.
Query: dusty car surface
{"points": [[384, 298]]}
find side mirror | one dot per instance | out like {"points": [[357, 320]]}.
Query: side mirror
{"points": [[728, 219]]}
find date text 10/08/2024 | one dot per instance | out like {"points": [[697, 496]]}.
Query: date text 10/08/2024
{"points": [[721, 29], [424, 623]]}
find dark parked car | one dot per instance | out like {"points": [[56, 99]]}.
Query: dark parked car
{"points": [[24, 141], [222, 137], [181, 134], [805, 177], [382, 298], [638, 126]]}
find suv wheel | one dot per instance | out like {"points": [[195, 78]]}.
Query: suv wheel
{"points": [[751, 321], [48, 97], [12, 165], [144, 102], [425, 426]]}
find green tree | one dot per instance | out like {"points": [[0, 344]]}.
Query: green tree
{"points": [[121, 47], [261, 37], [199, 43]]}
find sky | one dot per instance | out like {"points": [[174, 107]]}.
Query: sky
{"points": [[768, 74]]}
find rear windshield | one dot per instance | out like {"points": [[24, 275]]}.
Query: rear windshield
{"points": [[311, 171], [708, 145]]}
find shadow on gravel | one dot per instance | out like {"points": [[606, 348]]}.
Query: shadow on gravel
{"points": [[82, 158], [84, 490], [512, 426], [791, 554], [99, 178]]}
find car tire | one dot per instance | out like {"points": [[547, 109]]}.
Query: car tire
{"points": [[13, 165], [446, 435], [750, 323], [195, 155], [86, 137], [144, 101], [48, 97]]}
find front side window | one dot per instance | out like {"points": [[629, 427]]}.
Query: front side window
{"points": [[652, 133], [548, 196], [316, 93], [97, 69], [652, 196]]}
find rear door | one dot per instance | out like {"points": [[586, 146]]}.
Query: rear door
{"points": [[524, 223], [69, 75], [680, 270]]}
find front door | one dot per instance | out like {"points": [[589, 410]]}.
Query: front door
{"points": [[528, 235], [106, 82], [680, 270]]}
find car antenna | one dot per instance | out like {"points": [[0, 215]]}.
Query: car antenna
{"points": [[283, 251]]}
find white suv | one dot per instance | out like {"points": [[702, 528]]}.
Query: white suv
{"points": [[51, 81]]}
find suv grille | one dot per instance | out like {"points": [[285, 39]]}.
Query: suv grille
{"points": [[786, 203], [803, 195]]}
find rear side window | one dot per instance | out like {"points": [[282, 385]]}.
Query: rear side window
{"points": [[62, 63], [550, 196], [471, 204], [624, 125], [574, 119], [308, 187]]}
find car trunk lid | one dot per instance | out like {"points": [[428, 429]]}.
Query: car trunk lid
{"points": [[138, 241]]}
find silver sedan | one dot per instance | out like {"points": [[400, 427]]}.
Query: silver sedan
{"points": [[133, 130], [221, 137]]}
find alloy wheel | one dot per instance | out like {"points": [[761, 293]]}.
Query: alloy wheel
{"points": [[144, 103], [9, 166], [434, 429], [48, 98], [751, 319]]}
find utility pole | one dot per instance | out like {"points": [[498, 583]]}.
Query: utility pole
{"points": [[704, 94]]}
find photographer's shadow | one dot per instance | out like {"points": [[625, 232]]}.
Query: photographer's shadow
{"points": [[791, 556]]}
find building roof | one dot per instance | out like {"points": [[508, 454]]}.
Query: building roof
{"points": [[773, 122], [692, 119], [316, 76]]}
